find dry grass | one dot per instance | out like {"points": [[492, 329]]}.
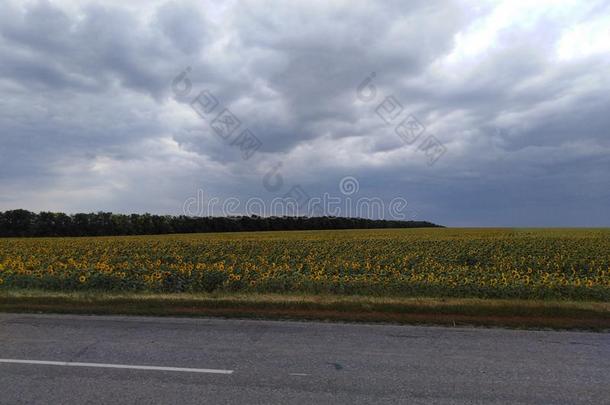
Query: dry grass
{"points": [[449, 311]]}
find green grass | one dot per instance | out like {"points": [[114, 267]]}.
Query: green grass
{"points": [[450, 311]]}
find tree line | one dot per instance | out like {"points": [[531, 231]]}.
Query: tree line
{"points": [[23, 223]]}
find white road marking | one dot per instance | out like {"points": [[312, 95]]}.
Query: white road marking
{"points": [[299, 374], [123, 366]]}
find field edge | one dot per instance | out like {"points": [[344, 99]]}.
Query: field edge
{"points": [[436, 311]]}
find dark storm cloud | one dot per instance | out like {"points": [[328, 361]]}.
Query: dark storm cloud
{"points": [[321, 60], [517, 94]]}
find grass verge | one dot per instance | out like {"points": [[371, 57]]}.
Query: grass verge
{"points": [[439, 311]]}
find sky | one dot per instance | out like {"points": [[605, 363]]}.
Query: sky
{"points": [[463, 113]]}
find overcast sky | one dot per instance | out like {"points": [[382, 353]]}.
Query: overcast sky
{"points": [[512, 100]]}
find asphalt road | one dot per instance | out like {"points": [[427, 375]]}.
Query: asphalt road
{"points": [[247, 362]]}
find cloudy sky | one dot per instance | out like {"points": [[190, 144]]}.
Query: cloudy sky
{"points": [[509, 101]]}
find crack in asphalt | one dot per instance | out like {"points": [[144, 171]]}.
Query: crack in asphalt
{"points": [[82, 351]]}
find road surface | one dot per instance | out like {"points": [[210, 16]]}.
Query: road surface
{"points": [[100, 359]]}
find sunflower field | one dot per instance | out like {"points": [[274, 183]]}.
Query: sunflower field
{"points": [[435, 262]]}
